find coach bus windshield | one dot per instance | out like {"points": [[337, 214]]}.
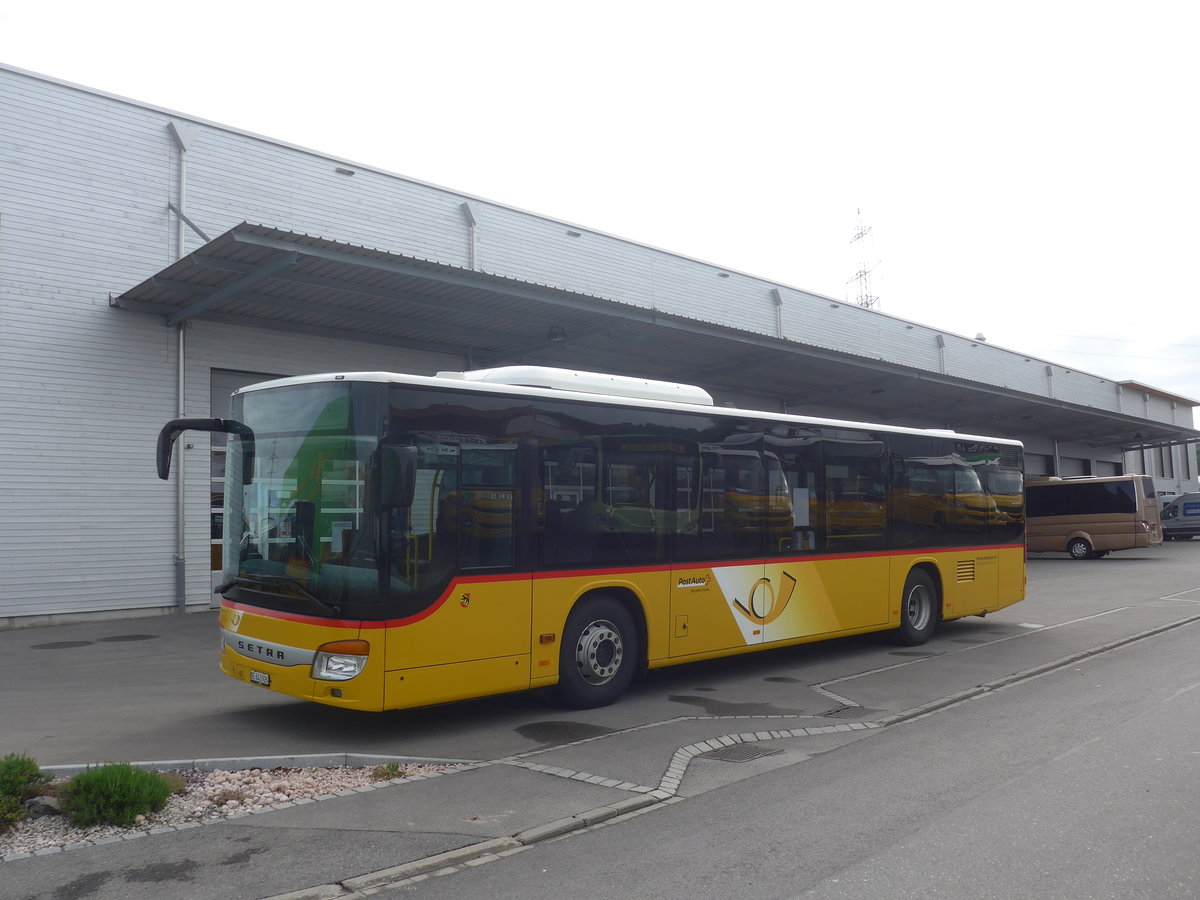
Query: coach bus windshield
{"points": [[298, 536]]}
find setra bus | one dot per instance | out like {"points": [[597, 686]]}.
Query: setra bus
{"points": [[394, 541], [1089, 516]]}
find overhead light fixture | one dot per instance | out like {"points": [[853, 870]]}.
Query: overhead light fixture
{"points": [[556, 334], [344, 171]]}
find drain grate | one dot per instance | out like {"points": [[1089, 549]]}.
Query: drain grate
{"points": [[738, 753], [847, 712]]}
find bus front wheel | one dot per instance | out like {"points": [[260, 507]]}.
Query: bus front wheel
{"points": [[598, 655], [918, 610], [1079, 548]]}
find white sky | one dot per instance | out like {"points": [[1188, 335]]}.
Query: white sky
{"points": [[1029, 170]]}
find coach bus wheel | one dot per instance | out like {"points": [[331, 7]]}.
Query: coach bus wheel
{"points": [[1079, 549], [918, 609], [598, 655]]}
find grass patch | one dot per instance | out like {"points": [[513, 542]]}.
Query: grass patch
{"points": [[388, 771]]}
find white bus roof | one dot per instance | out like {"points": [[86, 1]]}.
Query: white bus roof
{"points": [[526, 376]]}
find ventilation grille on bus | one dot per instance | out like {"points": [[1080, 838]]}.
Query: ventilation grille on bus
{"points": [[966, 570]]}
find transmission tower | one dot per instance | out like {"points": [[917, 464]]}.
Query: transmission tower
{"points": [[863, 276]]}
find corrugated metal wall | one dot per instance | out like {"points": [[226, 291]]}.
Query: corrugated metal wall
{"points": [[85, 182]]}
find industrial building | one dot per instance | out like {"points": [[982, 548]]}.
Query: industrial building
{"points": [[151, 262]]}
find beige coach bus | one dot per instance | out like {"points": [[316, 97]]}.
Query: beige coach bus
{"points": [[1089, 517]]}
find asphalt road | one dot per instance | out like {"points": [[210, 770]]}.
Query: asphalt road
{"points": [[1082, 783], [149, 689]]}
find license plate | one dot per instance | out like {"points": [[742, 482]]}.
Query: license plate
{"points": [[260, 678]]}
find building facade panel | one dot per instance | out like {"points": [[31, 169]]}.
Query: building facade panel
{"points": [[234, 178], [553, 253]]}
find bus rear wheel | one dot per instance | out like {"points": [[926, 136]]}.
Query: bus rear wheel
{"points": [[598, 655], [918, 610], [1079, 548]]}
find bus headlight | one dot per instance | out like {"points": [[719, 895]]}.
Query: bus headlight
{"points": [[340, 660]]}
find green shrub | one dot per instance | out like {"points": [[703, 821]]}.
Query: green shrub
{"points": [[114, 794], [11, 812], [20, 777]]}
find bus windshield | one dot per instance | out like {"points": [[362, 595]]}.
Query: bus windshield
{"points": [[298, 534]]}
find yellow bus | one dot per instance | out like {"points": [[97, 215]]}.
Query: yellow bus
{"points": [[394, 541], [1090, 516]]}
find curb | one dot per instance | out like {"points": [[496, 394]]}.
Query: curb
{"points": [[291, 761], [472, 854], [428, 864]]}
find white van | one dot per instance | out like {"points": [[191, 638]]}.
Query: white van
{"points": [[1181, 517]]}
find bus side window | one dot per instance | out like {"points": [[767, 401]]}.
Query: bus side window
{"points": [[568, 474], [486, 504], [855, 504], [795, 491]]}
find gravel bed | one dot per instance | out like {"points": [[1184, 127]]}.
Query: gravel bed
{"points": [[210, 795]]}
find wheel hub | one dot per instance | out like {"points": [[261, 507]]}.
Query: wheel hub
{"points": [[918, 609], [599, 652]]}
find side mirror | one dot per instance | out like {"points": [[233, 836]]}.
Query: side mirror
{"points": [[397, 475], [173, 429]]}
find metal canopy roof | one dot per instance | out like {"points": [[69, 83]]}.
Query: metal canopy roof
{"points": [[259, 276]]}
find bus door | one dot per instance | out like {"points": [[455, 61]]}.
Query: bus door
{"points": [[831, 575], [453, 554], [853, 508], [719, 595]]}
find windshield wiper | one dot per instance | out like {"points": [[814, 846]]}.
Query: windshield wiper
{"points": [[279, 580]]}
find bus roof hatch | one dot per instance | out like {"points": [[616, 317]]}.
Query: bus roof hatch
{"points": [[587, 383]]}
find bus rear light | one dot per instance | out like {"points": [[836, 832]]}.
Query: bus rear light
{"points": [[340, 660]]}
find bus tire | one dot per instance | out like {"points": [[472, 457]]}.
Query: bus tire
{"points": [[1079, 548], [918, 610], [599, 653]]}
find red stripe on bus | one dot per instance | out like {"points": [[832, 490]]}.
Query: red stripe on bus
{"points": [[593, 573]]}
